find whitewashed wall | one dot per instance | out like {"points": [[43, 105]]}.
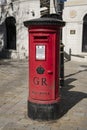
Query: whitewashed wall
{"points": [[73, 15], [22, 10], [26, 10]]}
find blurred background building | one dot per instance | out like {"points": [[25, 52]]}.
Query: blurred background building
{"points": [[14, 36], [75, 31]]}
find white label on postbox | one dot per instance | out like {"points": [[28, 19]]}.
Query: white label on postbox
{"points": [[40, 52]]}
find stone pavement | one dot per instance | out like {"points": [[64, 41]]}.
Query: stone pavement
{"points": [[14, 92]]}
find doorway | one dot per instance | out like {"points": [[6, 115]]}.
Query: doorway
{"points": [[84, 41], [11, 33]]}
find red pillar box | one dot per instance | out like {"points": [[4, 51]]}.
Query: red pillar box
{"points": [[44, 97]]}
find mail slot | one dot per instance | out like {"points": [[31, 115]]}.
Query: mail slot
{"points": [[44, 95]]}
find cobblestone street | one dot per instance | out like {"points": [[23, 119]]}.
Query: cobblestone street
{"points": [[14, 92]]}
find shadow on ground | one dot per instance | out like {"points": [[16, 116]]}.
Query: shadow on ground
{"points": [[70, 98]]}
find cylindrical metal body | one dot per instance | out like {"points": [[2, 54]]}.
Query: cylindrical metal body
{"points": [[44, 96]]}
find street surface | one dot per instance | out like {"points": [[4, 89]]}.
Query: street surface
{"points": [[14, 93]]}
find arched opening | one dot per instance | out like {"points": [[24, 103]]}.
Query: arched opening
{"points": [[84, 41], [11, 33]]}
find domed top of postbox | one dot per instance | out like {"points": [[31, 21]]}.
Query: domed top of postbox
{"points": [[45, 21]]}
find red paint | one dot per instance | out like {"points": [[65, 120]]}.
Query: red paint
{"points": [[44, 88]]}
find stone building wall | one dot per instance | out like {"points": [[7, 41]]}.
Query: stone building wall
{"points": [[18, 11], [73, 33]]}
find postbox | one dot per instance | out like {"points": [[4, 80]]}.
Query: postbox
{"points": [[44, 95]]}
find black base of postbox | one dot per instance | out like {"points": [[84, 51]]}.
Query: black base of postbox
{"points": [[43, 111]]}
